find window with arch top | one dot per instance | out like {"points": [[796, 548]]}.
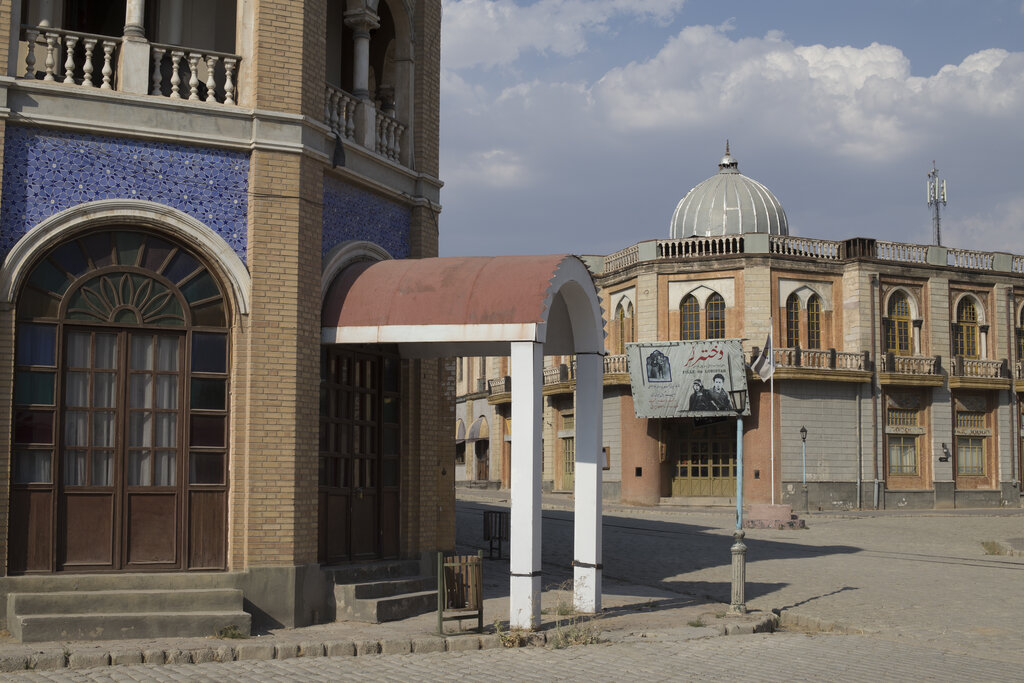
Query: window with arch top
{"points": [[793, 321], [965, 331], [623, 325], [814, 322], [897, 335], [714, 317], [689, 319]]}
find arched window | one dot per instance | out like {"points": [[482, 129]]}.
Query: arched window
{"points": [[897, 335], [793, 321], [965, 332], [814, 322], [689, 319], [623, 328], [714, 317], [1020, 336], [121, 405]]}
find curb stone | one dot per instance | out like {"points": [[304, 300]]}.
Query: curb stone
{"points": [[126, 655]]}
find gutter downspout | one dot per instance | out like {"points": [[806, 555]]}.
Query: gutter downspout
{"points": [[1014, 406], [874, 391]]}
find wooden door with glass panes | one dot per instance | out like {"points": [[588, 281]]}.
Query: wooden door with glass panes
{"points": [[704, 460], [121, 385], [359, 454]]}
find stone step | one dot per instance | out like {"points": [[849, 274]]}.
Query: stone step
{"points": [[37, 583], [390, 608], [374, 571], [125, 601], [114, 626], [385, 589]]}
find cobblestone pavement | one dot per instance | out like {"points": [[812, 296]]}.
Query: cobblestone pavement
{"points": [[762, 658]]}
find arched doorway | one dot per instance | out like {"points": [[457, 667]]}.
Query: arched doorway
{"points": [[120, 439]]}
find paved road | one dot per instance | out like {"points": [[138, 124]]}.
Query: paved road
{"points": [[762, 658]]}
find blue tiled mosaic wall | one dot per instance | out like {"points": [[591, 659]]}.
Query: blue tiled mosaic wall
{"points": [[46, 172], [353, 214]]}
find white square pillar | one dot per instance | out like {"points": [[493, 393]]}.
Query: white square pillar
{"points": [[524, 549], [589, 462]]}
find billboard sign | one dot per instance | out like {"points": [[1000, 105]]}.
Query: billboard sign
{"points": [[686, 378]]}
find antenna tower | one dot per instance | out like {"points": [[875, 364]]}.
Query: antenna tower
{"points": [[936, 196]]}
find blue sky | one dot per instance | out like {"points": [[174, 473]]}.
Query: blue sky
{"points": [[577, 125]]}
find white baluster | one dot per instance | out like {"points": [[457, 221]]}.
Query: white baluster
{"points": [[229, 84], [399, 129], [350, 118], [193, 79], [52, 41], [158, 59], [90, 45], [211, 84], [69, 63], [176, 56], [30, 56], [379, 147], [108, 70]]}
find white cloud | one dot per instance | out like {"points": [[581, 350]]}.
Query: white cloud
{"points": [[495, 32]]}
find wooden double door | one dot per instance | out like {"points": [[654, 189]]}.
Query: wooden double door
{"points": [[360, 437], [112, 492], [704, 460]]}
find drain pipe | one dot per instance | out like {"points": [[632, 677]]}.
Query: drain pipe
{"points": [[874, 390], [860, 450], [1014, 405]]}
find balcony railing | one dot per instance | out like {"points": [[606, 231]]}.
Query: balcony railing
{"points": [[615, 365], [802, 246], [700, 246], [622, 259], [911, 365], [902, 253], [91, 61], [973, 367], [500, 385], [198, 76], [819, 359], [70, 57]]}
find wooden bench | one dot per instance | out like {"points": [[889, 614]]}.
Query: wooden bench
{"points": [[460, 589], [496, 529]]}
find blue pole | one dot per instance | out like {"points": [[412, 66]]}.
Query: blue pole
{"points": [[739, 471], [803, 454]]}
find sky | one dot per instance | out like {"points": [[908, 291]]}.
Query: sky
{"points": [[577, 125]]}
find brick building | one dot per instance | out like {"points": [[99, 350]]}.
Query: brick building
{"points": [[901, 361], [182, 182]]}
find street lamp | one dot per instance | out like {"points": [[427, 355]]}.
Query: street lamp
{"points": [[803, 446], [739, 550]]}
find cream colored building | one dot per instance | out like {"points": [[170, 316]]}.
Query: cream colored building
{"points": [[901, 361]]}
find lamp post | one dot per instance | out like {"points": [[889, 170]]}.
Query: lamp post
{"points": [[803, 449], [738, 604]]}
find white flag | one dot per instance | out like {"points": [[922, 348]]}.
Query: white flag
{"points": [[764, 364]]}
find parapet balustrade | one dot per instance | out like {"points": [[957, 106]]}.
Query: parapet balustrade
{"points": [[903, 253], [803, 246], [92, 61], [700, 246], [499, 385], [622, 259], [70, 57], [616, 364]]}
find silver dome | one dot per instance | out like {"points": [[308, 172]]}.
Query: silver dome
{"points": [[728, 203]]}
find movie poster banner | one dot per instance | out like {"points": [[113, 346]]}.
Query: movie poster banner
{"points": [[686, 378]]}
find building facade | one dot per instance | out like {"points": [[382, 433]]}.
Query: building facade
{"points": [[182, 182], [902, 362]]}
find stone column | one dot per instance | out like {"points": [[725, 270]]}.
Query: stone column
{"points": [[524, 549], [133, 73], [589, 460], [362, 21]]}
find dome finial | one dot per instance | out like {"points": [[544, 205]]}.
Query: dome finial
{"points": [[728, 164], [727, 147]]}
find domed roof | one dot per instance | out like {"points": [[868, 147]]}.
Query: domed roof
{"points": [[728, 203]]}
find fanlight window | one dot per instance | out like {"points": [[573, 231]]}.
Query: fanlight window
{"points": [[793, 321], [814, 322], [965, 332], [714, 314], [689, 319]]}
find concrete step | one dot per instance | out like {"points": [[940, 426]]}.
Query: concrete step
{"points": [[113, 626], [386, 589], [374, 571], [390, 608], [125, 601], [37, 583]]}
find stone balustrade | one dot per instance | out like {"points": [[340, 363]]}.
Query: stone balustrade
{"points": [[622, 259], [340, 112], [499, 385], [900, 252], [199, 76], [803, 246], [974, 367], [976, 260], [616, 364], [389, 136], [911, 365], [70, 57], [820, 359]]}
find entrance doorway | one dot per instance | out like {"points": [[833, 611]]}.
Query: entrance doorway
{"points": [[704, 459], [359, 453], [483, 456]]}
